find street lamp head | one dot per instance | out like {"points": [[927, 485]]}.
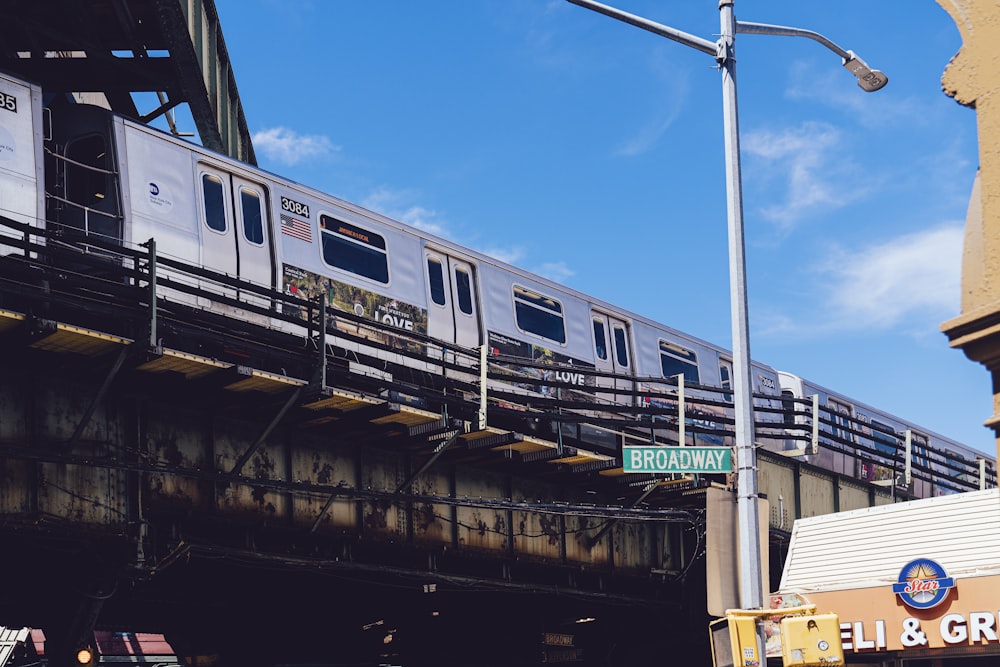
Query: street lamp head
{"points": [[869, 79]]}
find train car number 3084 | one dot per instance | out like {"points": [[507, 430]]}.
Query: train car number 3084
{"points": [[292, 206]]}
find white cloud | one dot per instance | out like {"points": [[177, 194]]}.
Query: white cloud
{"points": [[917, 275], [510, 255], [908, 284], [421, 218], [836, 89], [647, 135], [673, 81], [289, 148], [556, 271], [802, 157], [397, 205]]}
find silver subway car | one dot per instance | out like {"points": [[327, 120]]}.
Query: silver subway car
{"points": [[873, 446], [108, 178]]}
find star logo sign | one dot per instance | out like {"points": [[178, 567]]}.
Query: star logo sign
{"points": [[922, 584]]}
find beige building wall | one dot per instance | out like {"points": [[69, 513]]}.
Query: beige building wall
{"points": [[973, 79]]}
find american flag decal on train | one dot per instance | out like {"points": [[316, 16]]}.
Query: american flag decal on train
{"points": [[300, 229]]}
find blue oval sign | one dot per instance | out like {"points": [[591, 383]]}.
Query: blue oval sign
{"points": [[923, 584]]}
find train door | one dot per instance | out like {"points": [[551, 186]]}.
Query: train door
{"points": [[82, 184], [236, 233], [612, 354], [454, 303]]}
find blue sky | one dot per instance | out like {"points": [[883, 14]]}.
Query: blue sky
{"points": [[592, 152]]}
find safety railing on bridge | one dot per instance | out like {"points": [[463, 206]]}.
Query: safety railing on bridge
{"points": [[148, 296]]}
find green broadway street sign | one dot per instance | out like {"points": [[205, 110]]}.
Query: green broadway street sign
{"points": [[678, 459]]}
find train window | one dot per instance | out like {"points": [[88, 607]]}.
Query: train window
{"points": [[788, 407], [956, 469], [621, 346], [435, 274], [600, 339], [841, 416], [675, 360], [726, 381], [884, 437], [538, 314], [87, 182], [215, 202], [949, 472], [253, 220], [354, 249], [463, 286], [918, 448]]}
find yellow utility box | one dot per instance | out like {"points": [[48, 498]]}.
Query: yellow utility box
{"points": [[811, 641], [734, 642]]}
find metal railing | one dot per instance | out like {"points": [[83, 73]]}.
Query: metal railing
{"points": [[597, 410]]}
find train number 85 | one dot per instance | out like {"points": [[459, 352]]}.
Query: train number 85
{"points": [[8, 102]]}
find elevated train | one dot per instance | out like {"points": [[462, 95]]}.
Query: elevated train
{"points": [[81, 168]]}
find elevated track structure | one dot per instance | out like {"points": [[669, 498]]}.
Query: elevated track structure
{"points": [[172, 469]]}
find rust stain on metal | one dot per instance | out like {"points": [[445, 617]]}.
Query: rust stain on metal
{"points": [[550, 526], [425, 517], [324, 472], [172, 452], [262, 466], [259, 496], [376, 518], [481, 527]]}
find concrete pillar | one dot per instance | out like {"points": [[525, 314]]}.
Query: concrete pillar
{"points": [[973, 79]]}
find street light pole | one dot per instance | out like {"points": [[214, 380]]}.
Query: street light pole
{"points": [[751, 594], [748, 519]]}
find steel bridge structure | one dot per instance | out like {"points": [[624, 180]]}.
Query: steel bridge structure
{"points": [[224, 471]]}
